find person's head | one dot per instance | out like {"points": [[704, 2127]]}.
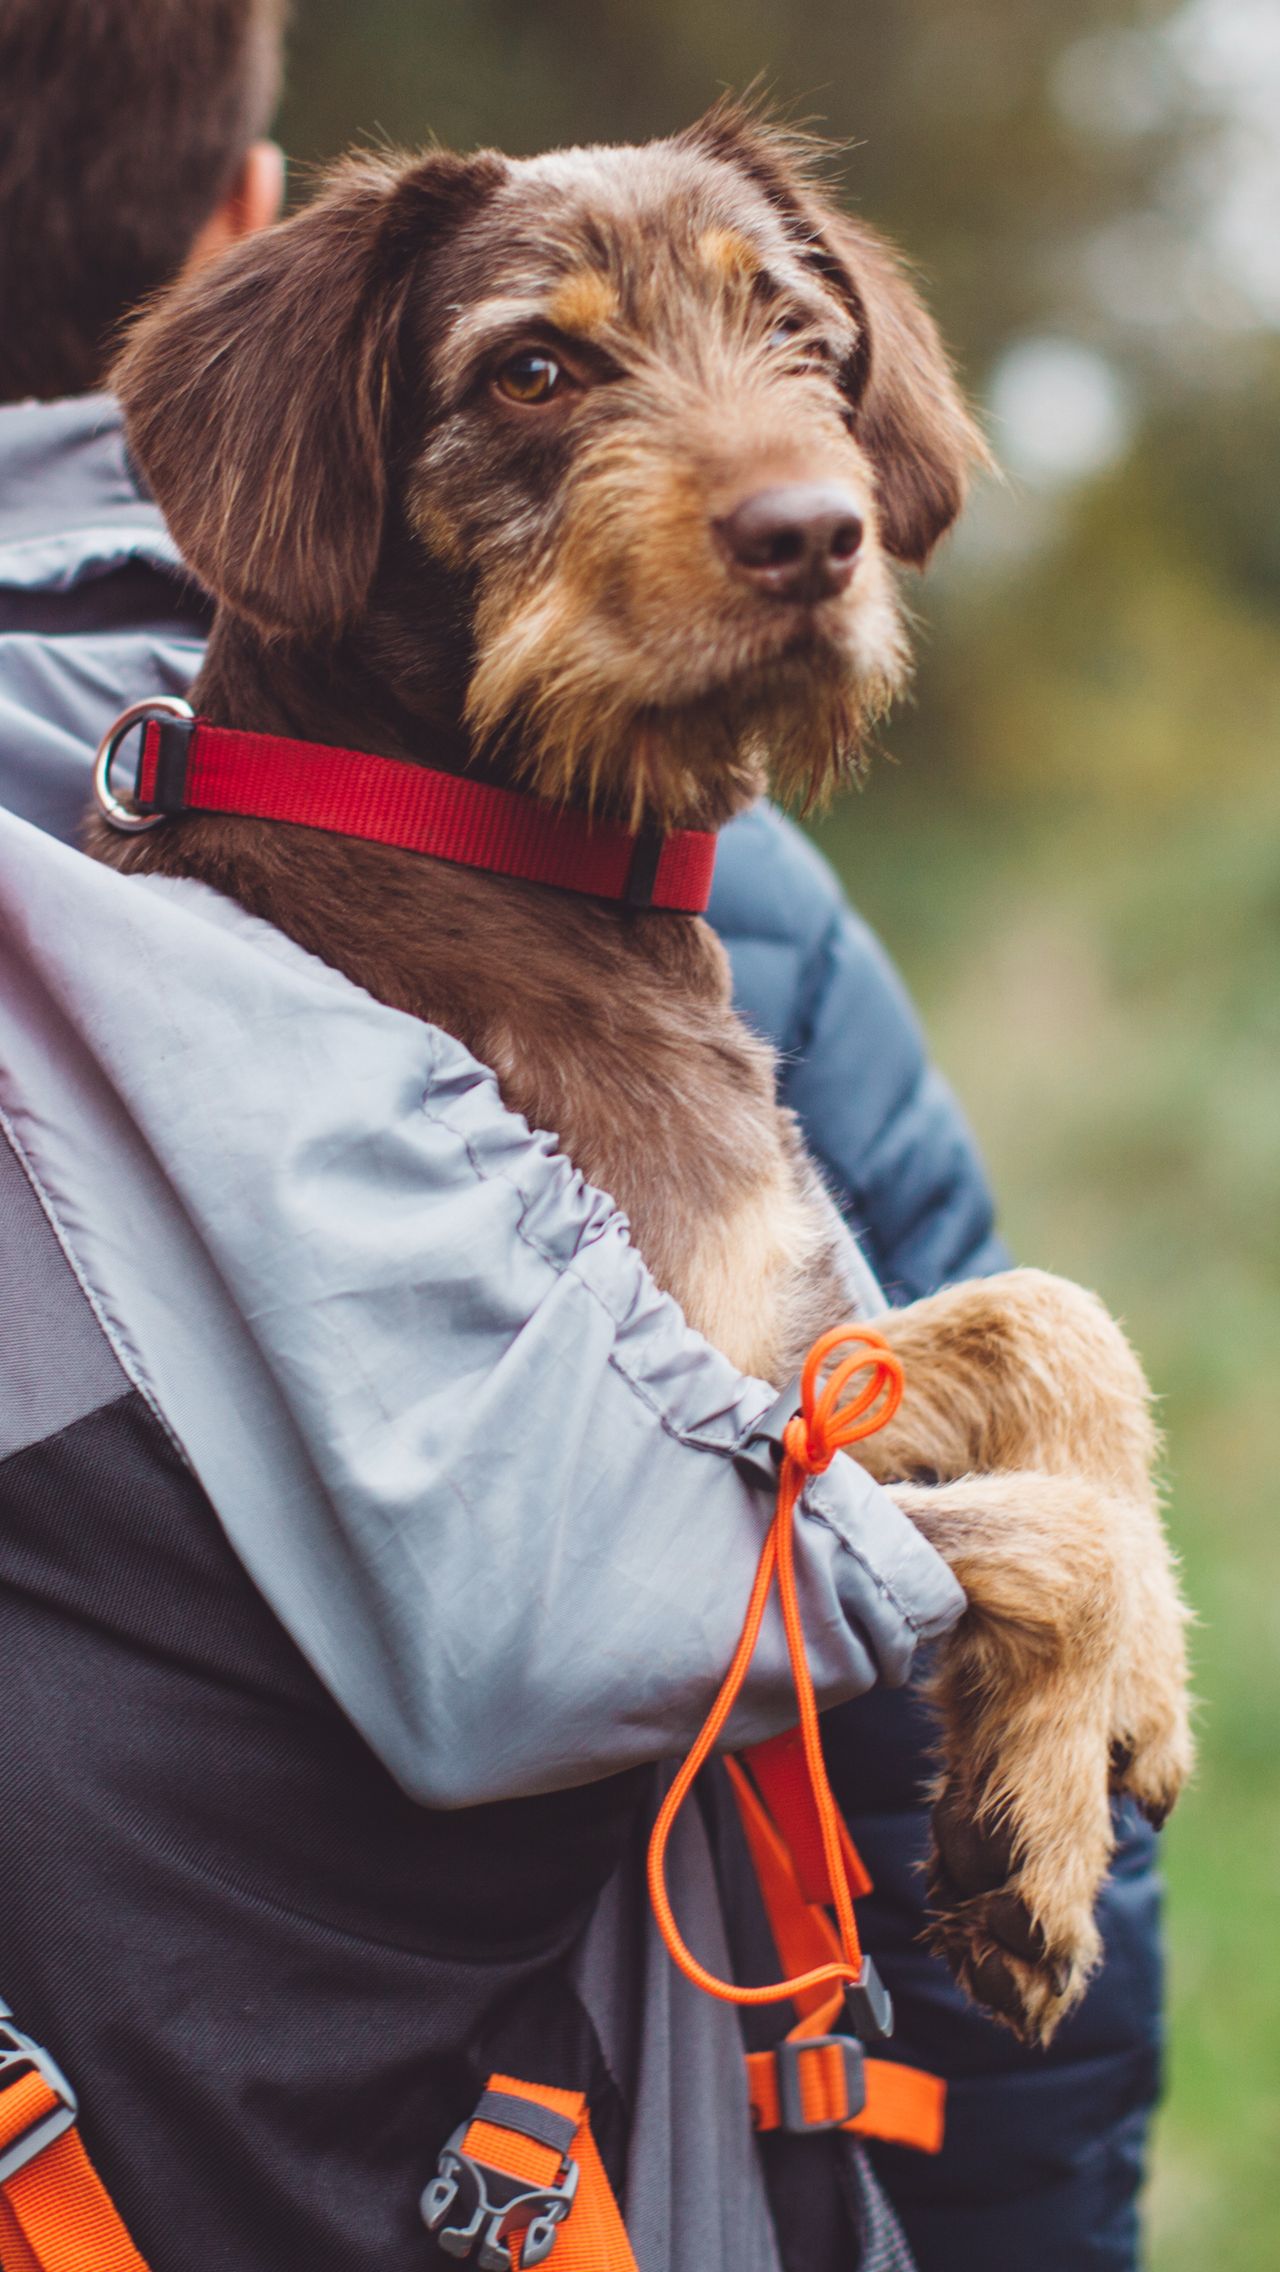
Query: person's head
{"points": [[130, 146]]}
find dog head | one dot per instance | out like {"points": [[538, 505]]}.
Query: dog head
{"points": [[610, 450]]}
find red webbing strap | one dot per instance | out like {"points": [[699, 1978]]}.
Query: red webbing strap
{"points": [[802, 1933], [55, 2213], [389, 801], [593, 2237], [904, 2105], [779, 1771]]}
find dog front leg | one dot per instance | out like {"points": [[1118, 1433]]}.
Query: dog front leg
{"points": [[1029, 1372], [1024, 1370], [1026, 1696]]}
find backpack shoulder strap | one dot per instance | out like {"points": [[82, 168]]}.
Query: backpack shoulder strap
{"points": [[55, 2212]]}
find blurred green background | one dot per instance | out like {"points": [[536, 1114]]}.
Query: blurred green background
{"points": [[1071, 840]]}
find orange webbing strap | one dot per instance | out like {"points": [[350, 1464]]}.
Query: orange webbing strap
{"points": [[592, 2237], [55, 2213], [904, 2105], [812, 1438]]}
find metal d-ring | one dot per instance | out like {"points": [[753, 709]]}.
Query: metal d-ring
{"points": [[126, 818]]}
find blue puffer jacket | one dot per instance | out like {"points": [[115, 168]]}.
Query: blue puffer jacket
{"points": [[1045, 2150], [1044, 2153]]}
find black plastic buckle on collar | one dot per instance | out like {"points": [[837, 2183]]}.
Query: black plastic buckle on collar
{"points": [[791, 2114], [486, 2207], [642, 875], [173, 750], [20, 2055]]}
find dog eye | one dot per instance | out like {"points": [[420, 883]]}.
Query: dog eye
{"points": [[530, 378], [813, 352]]}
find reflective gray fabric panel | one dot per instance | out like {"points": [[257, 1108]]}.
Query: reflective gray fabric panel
{"points": [[405, 1347], [56, 1363]]}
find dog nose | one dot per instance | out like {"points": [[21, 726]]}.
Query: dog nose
{"points": [[795, 543]]}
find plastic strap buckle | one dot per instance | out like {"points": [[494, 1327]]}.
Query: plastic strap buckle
{"points": [[173, 751], [642, 873], [869, 2005], [791, 2113], [487, 2207], [21, 2055]]}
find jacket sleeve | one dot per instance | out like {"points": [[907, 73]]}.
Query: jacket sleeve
{"points": [[1045, 2151], [478, 1464]]}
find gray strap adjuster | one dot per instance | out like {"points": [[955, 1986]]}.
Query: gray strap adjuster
{"points": [[21, 2054], [788, 2056]]}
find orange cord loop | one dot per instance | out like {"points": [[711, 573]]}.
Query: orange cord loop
{"points": [[823, 1426]]}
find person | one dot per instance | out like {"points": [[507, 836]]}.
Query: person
{"points": [[1044, 2152]]}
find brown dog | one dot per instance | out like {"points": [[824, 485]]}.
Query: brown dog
{"points": [[587, 472]]}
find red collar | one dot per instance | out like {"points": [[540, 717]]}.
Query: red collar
{"points": [[189, 765]]}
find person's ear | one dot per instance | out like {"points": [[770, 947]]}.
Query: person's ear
{"points": [[259, 393], [906, 408], [254, 200]]}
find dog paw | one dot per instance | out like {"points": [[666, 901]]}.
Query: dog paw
{"points": [[1153, 1768], [1066, 1679], [1152, 1750], [1019, 1937], [997, 1950]]}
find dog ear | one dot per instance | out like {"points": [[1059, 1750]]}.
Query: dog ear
{"points": [[908, 411], [258, 395]]}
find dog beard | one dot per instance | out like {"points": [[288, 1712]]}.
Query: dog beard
{"points": [[797, 724]]}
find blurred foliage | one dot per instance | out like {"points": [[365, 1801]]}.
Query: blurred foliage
{"points": [[1077, 861], [958, 147], [1072, 839]]}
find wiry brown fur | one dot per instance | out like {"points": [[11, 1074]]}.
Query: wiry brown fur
{"points": [[1078, 1654], [408, 561]]}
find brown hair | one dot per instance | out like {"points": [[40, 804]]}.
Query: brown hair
{"points": [[122, 125]]}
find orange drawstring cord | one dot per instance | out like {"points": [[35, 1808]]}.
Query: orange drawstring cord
{"points": [[812, 1437]]}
